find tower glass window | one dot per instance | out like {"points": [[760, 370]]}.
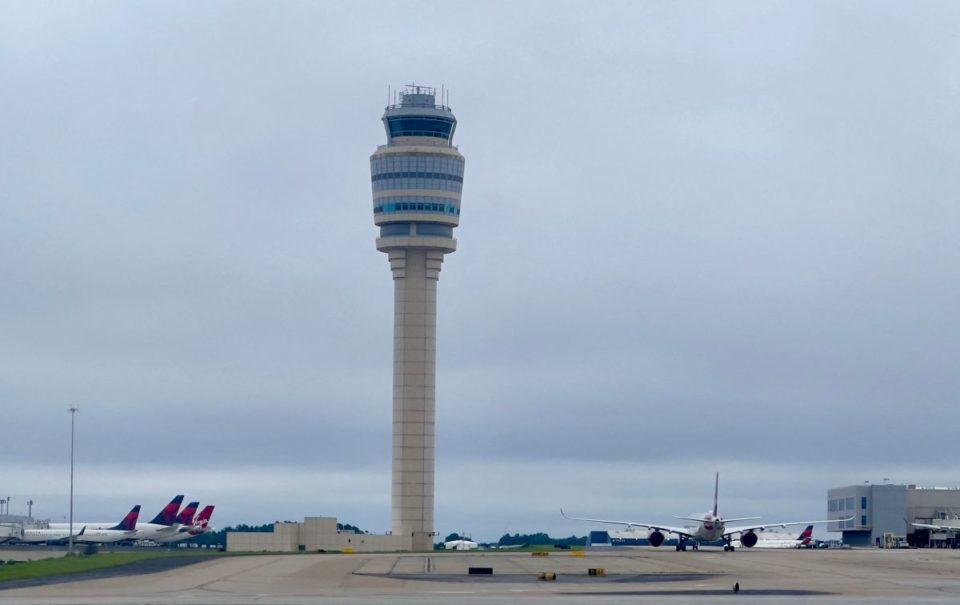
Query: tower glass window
{"points": [[420, 126]]}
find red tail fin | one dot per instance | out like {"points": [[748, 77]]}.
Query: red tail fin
{"points": [[202, 522], [204, 517], [129, 522], [186, 515], [169, 513]]}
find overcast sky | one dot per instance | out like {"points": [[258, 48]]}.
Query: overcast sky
{"points": [[696, 236]]}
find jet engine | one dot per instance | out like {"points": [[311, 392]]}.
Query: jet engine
{"points": [[656, 538], [748, 540]]}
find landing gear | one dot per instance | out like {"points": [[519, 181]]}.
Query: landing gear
{"points": [[728, 547], [681, 545]]}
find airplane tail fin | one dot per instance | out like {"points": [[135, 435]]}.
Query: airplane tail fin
{"points": [[186, 515], [204, 517], [716, 494], [202, 521], [169, 513], [806, 535], [129, 523]]}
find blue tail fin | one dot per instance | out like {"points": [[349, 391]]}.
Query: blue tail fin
{"points": [[129, 523], [186, 515], [169, 513]]}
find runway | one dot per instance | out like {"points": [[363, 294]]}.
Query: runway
{"points": [[641, 575]]}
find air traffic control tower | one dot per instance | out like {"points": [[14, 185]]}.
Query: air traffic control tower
{"points": [[417, 178]]}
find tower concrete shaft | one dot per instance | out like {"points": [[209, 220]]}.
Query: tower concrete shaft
{"points": [[417, 181]]}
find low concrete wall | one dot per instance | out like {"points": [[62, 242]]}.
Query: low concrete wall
{"points": [[374, 543]]}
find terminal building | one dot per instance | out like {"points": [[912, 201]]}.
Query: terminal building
{"points": [[883, 515]]}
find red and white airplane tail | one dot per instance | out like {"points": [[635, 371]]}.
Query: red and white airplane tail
{"points": [[201, 524]]}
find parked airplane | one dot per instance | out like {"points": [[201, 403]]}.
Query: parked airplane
{"points": [[51, 536], [711, 527], [125, 530], [777, 540], [163, 524], [189, 528]]}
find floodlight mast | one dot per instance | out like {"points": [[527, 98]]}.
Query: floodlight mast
{"points": [[73, 414]]}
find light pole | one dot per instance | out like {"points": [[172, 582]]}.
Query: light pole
{"points": [[30, 509], [73, 415]]}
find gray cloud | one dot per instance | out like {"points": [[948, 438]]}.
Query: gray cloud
{"points": [[693, 237]]}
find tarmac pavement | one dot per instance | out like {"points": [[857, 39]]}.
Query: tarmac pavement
{"points": [[634, 575]]}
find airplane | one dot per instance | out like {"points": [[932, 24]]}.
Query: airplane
{"points": [[711, 527], [125, 530], [166, 522], [50, 536], [163, 524], [190, 528], [804, 540]]}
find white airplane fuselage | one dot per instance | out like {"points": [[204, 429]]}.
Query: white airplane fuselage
{"points": [[778, 541], [35, 536], [157, 532], [105, 536], [143, 531], [709, 530], [788, 543]]}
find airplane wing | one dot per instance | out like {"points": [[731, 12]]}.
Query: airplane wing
{"points": [[730, 531], [938, 527], [681, 531]]}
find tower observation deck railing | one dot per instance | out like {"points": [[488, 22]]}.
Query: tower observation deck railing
{"points": [[409, 105], [379, 147]]}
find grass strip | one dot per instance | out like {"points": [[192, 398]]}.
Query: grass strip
{"points": [[28, 570]]}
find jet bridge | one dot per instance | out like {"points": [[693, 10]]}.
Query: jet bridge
{"points": [[10, 532]]}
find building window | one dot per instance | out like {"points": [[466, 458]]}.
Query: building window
{"points": [[832, 506], [863, 502], [420, 126], [841, 504], [850, 503], [863, 520], [395, 229], [433, 229], [413, 203]]}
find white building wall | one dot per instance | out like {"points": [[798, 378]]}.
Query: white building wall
{"points": [[315, 534]]}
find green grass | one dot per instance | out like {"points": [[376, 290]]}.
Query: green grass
{"points": [[43, 568]]}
